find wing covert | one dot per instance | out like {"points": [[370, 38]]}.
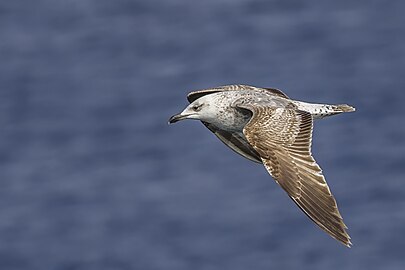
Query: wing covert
{"points": [[282, 137]]}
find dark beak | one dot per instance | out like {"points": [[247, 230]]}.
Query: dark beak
{"points": [[176, 118]]}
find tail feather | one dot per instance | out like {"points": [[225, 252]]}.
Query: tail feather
{"points": [[344, 108], [322, 110], [328, 110]]}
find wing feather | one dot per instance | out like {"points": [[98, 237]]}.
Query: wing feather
{"points": [[282, 137], [236, 142], [233, 87]]}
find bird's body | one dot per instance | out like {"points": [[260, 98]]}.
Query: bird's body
{"points": [[264, 125]]}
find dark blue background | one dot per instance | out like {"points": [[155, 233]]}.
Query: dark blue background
{"points": [[92, 177]]}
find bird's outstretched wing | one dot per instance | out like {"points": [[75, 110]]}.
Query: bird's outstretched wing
{"points": [[282, 137], [233, 87]]}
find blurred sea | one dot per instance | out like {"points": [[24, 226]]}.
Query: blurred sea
{"points": [[92, 177]]}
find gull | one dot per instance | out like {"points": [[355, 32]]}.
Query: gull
{"points": [[265, 126]]}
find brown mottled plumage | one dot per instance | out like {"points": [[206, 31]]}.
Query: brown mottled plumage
{"points": [[266, 126]]}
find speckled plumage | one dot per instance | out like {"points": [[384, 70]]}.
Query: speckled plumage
{"points": [[264, 125]]}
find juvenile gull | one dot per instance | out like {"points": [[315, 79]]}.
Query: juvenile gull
{"points": [[264, 125]]}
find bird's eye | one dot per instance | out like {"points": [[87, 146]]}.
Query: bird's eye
{"points": [[197, 107]]}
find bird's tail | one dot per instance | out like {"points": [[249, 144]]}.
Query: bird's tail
{"points": [[344, 108], [322, 110]]}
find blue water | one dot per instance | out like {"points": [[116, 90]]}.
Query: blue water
{"points": [[92, 177]]}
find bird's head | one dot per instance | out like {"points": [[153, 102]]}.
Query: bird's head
{"points": [[200, 109]]}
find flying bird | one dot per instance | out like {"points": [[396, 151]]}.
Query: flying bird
{"points": [[265, 126]]}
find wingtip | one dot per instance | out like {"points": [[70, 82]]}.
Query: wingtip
{"points": [[346, 240]]}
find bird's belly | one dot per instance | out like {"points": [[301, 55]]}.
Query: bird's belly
{"points": [[232, 122]]}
